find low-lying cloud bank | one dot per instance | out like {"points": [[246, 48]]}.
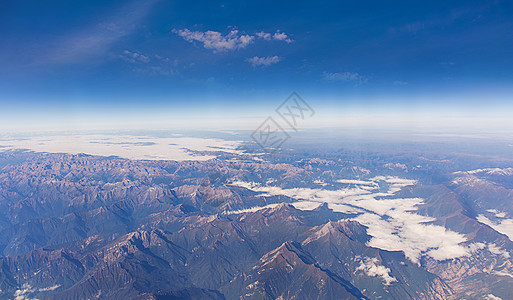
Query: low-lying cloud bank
{"points": [[501, 224], [177, 147], [392, 222]]}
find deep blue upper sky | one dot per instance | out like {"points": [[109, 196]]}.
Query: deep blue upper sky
{"points": [[89, 55]]}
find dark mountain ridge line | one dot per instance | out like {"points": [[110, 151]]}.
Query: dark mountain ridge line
{"points": [[89, 205], [142, 240]]}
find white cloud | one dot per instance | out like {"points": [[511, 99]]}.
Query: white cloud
{"points": [[371, 267], [355, 181], [399, 230], [263, 61], [306, 205], [320, 182], [232, 41], [50, 288], [392, 222], [502, 273], [504, 226], [475, 247], [23, 292], [345, 76], [264, 35], [500, 215], [216, 40], [278, 36], [126, 146], [281, 36], [492, 297], [315, 195], [494, 249]]}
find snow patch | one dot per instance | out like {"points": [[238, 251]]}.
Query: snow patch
{"points": [[252, 209]]}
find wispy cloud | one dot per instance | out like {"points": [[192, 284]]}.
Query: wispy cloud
{"points": [[345, 76], [400, 82], [216, 40], [135, 57], [97, 39], [437, 22], [263, 61], [150, 64]]}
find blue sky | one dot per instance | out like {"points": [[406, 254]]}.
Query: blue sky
{"points": [[107, 59]]}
